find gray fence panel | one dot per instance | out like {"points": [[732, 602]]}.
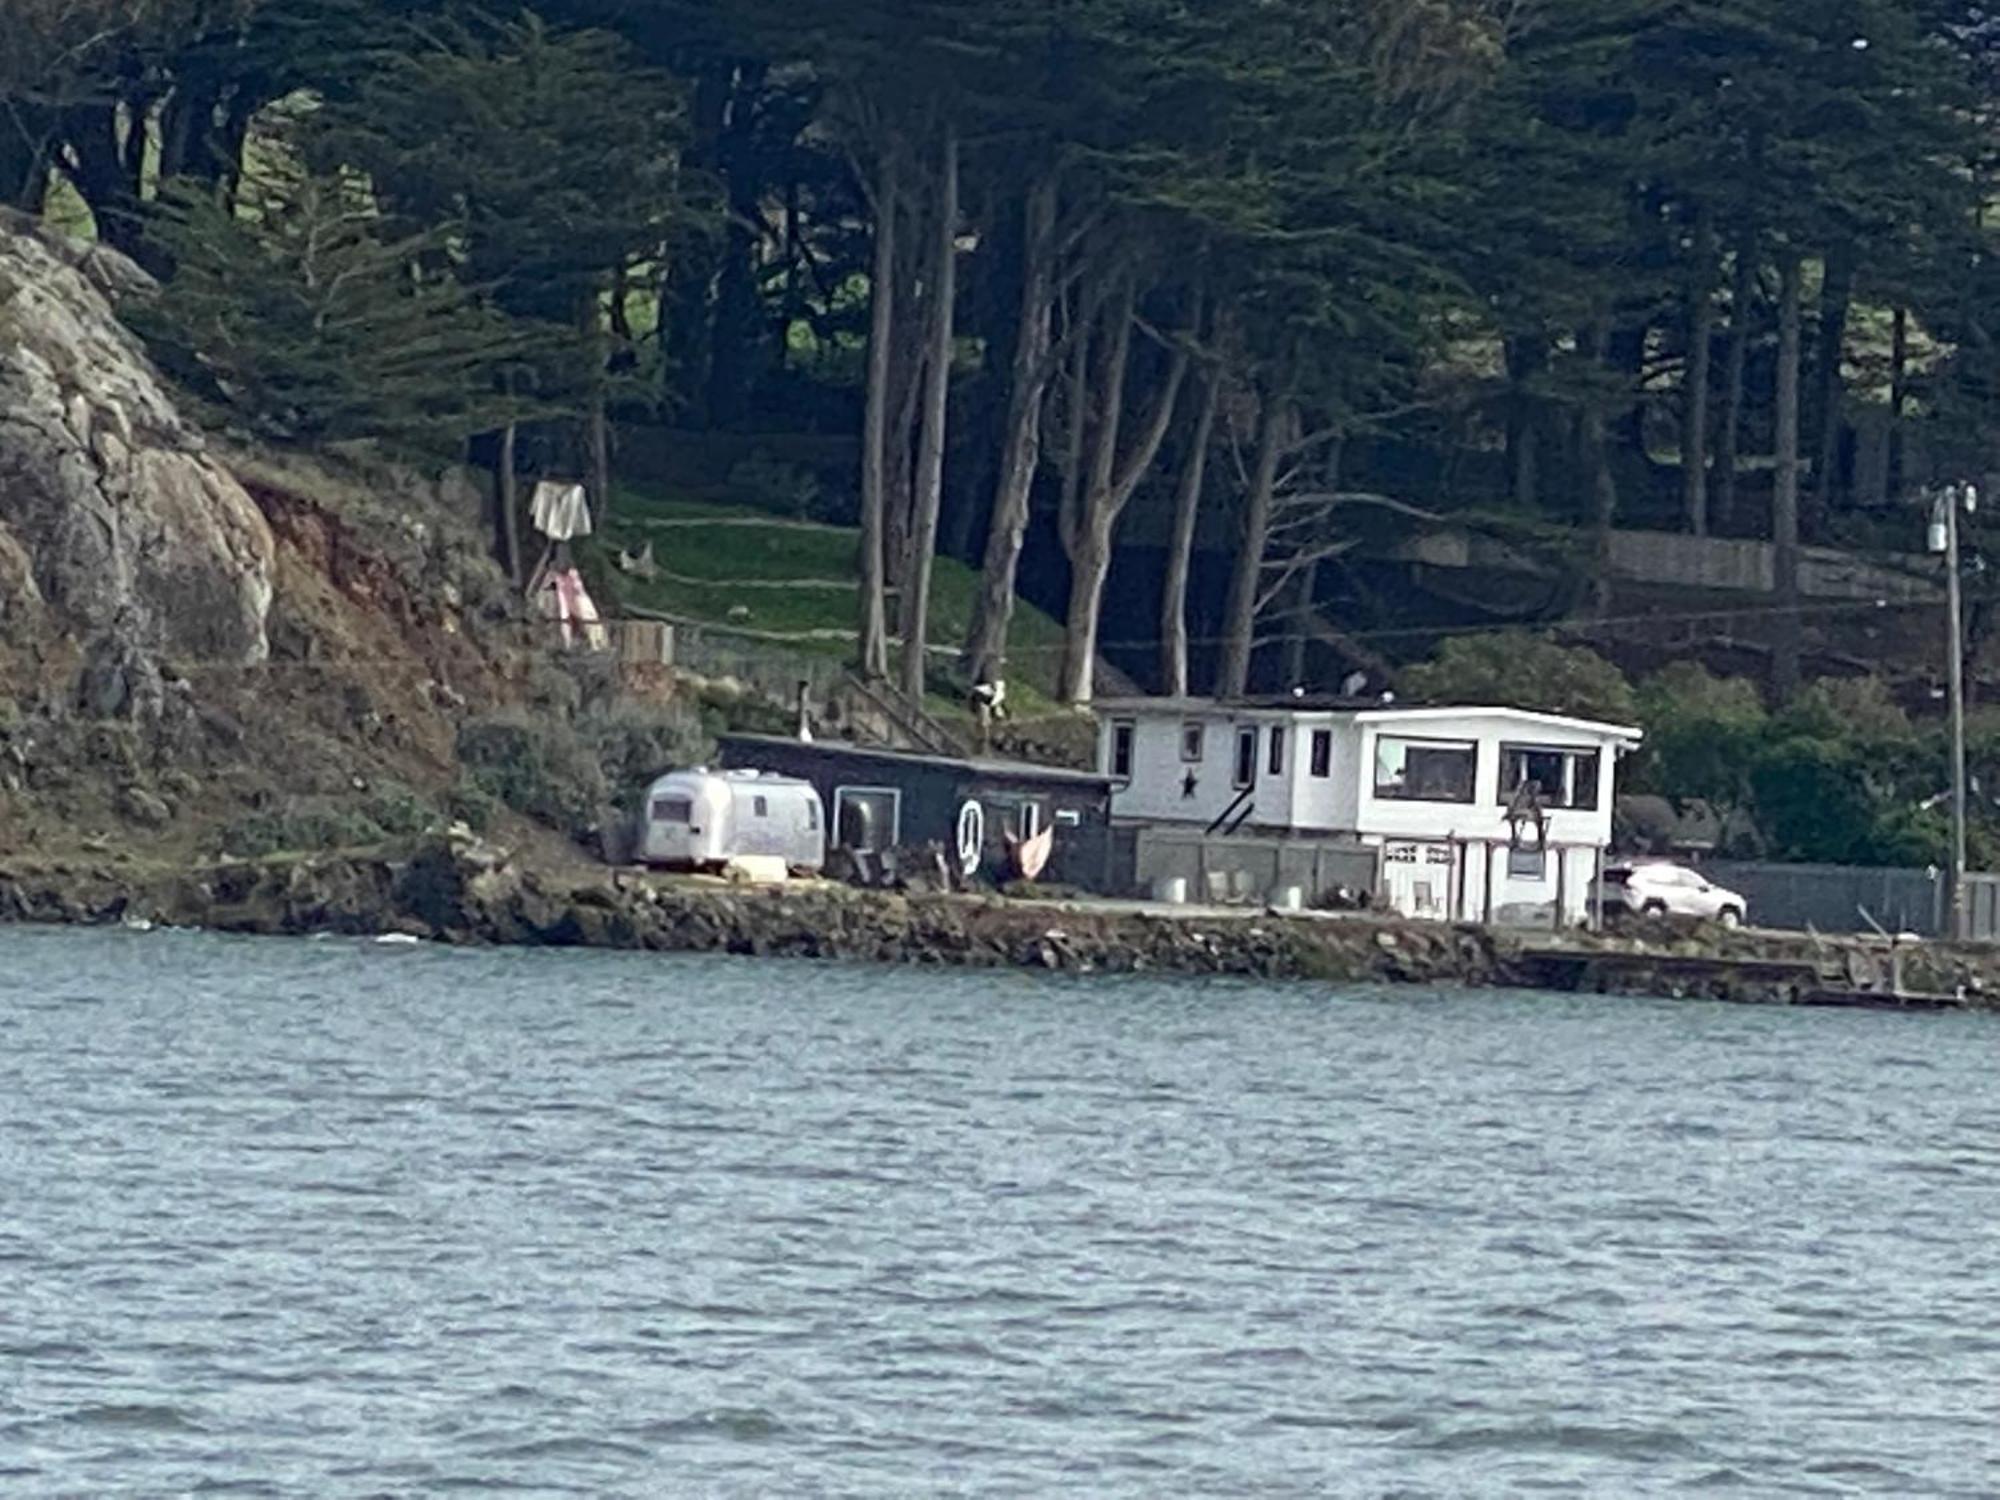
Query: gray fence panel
{"points": [[1240, 868], [1982, 907], [1831, 898]]}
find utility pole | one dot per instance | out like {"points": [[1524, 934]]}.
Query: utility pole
{"points": [[1944, 519]]}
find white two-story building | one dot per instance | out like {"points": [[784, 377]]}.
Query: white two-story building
{"points": [[1478, 813]]}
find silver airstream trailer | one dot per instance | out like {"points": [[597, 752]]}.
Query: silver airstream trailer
{"points": [[701, 820]]}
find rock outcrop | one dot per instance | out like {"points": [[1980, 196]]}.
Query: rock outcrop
{"points": [[119, 533]]}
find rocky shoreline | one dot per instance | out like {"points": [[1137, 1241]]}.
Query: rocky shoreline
{"points": [[458, 889]]}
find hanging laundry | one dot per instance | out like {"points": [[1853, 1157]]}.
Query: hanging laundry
{"points": [[560, 511], [563, 598]]}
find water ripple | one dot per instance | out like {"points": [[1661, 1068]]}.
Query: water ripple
{"points": [[285, 1218]]}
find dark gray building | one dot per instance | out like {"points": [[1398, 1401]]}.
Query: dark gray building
{"points": [[879, 800]]}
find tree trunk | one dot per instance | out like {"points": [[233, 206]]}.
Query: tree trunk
{"points": [[600, 458], [1239, 627], [1090, 566], [1180, 554], [741, 337], [1594, 445], [916, 598], [1835, 301], [102, 176], [1088, 532], [507, 497], [1899, 378], [1735, 364], [1701, 344], [1076, 428], [1296, 637], [985, 655], [26, 135], [874, 627], [1527, 357], [1785, 490]]}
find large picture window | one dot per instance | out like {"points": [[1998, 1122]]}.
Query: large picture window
{"points": [[1425, 770], [1559, 778]]}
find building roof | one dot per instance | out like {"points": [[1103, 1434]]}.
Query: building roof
{"points": [[1017, 770], [1314, 704], [1367, 711]]}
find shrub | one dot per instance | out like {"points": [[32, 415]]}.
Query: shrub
{"points": [[634, 745], [773, 485], [300, 827], [1521, 670], [539, 767], [565, 773]]}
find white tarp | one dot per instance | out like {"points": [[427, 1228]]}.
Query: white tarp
{"points": [[560, 511]]}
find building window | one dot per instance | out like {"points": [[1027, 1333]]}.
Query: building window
{"points": [[1322, 754], [1123, 732], [1028, 820], [1193, 733], [1246, 756], [868, 819], [1425, 770], [1277, 760], [760, 807], [1558, 778]]}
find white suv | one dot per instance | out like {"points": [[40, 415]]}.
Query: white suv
{"points": [[1669, 890]]}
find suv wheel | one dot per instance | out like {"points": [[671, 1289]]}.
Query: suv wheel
{"points": [[1730, 917], [1654, 908]]}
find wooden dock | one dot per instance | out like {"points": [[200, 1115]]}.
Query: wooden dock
{"points": [[1745, 980]]}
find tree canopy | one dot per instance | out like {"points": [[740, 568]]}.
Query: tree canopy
{"points": [[1179, 319]]}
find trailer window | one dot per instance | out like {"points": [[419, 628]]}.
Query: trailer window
{"points": [[760, 807], [1246, 756], [1322, 760], [1277, 761], [672, 810], [1193, 733], [1028, 818]]}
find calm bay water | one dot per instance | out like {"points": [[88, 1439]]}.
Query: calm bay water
{"points": [[331, 1219]]}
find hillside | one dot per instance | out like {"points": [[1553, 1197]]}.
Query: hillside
{"points": [[791, 585], [212, 647]]}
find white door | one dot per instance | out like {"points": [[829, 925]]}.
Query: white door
{"points": [[1420, 878]]}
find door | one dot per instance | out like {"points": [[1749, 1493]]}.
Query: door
{"points": [[1420, 878], [669, 830]]}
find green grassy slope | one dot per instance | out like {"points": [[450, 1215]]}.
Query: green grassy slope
{"points": [[745, 570]]}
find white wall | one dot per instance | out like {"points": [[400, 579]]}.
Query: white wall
{"points": [[1155, 791], [1486, 815], [1459, 848]]}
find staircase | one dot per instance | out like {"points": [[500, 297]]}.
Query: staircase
{"points": [[912, 721]]}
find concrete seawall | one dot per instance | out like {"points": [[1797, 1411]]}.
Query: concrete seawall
{"points": [[463, 891]]}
